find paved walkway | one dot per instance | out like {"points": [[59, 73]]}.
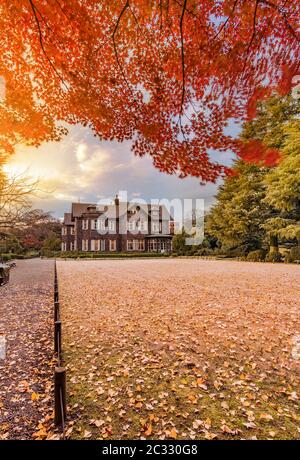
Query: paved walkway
{"points": [[26, 373]]}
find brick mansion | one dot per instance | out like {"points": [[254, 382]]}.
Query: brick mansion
{"points": [[119, 227]]}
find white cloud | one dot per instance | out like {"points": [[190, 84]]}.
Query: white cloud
{"points": [[81, 152], [80, 166]]}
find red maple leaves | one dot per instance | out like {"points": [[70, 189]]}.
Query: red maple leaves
{"points": [[168, 75]]}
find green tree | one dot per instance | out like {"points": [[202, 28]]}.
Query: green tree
{"points": [[269, 124], [179, 243], [258, 204], [10, 243], [283, 186], [240, 209], [52, 243]]}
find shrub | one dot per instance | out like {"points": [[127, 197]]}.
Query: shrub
{"points": [[293, 255], [5, 257], [203, 252], [273, 257], [108, 255], [256, 256]]}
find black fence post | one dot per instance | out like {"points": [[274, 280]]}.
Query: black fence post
{"points": [[56, 311], [57, 337], [60, 405]]}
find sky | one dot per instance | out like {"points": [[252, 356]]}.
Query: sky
{"points": [[82, 168]]}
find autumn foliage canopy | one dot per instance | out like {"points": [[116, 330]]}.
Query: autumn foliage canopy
{"points": [[167, 74]]}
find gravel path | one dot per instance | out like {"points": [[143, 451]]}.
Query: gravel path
{"points": [[27, 371], [181, 348]]}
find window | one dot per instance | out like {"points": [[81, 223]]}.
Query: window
{"points": [[72, 230], [95, 245], [162, 246], [85, 224], [63, 246], [101, 224], [153, 245], [131, 226], [111, 225], [71, 246], [64, 231], [102, 245], [129, 245], [95, 224], [155, 227], [140, 245], [142, 226], [112, 245], [85, 245]]}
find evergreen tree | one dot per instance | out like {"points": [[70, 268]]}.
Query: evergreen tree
{"points": [[260, 203], [283, 186], [240, 210]]}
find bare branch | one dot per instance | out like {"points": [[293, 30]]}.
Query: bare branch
{"points": [[15, 194]]}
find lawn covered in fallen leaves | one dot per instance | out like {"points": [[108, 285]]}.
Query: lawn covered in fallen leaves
{"points": [[181, 349]]}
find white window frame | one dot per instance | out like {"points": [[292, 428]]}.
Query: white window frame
{"points": [[85, 224], [102, 245], [131, 225], [101, 224], [141, 245], [72, 231], [112, 245], [131, 244], [155, 227], [85, 245], [111, 225]]}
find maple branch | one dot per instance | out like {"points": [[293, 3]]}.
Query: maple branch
{"points": [[62, 10], [253, 34], [182, 55], [227, 20], [188, 10], [161, 14], [283, 14], [115, 46], [34, 10], [134, 16]]}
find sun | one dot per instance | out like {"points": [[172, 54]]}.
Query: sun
{"points": [[15, 168], [12, 170]]}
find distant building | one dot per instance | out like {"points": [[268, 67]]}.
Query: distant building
{"points": [[118, 227]]}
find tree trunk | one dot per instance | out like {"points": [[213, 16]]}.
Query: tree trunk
{"points": [[273, 244]]}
